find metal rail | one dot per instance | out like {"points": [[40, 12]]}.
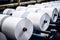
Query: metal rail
{"points": [[2, 7], [18, 2]]}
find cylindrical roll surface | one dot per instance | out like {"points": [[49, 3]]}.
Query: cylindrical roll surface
{"points": [[39, 20], [21, 8], [8, 11], [2, 36], [31, 8], [2, 18], [40, 5], [18, 28], [19, 14]]}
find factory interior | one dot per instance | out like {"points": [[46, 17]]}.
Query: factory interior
{"points": [[29, 19]]}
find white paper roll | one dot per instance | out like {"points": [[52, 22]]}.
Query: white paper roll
{"points": [[19, 14], [46, 3], [18, 28], [52, 2], [40, 5], [52, 12], [2, 18], [40, 20], [21, 8], [8, 11], [37, 4], [2, 36], [57, 1], [31, 8]]}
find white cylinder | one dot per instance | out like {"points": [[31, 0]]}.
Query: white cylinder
{"points": [[46, 3], [53, 3], [52, 12], [57, 1], [40, 5], [40, 20], [8, 11], [2, 36], [31, 8], [21, 8], [18, 28], [2, 18], [19, 14]]}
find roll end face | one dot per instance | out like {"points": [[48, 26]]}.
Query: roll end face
{"points": [[45, 22], [26, 28], [55, 16]]}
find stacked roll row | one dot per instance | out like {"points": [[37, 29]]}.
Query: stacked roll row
{"points": [[20, 22]]}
